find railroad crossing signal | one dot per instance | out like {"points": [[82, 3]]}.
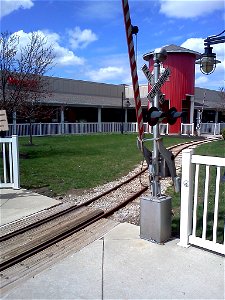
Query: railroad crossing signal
{"points": [[154, 116], [150, 78], [148, 74], [156, 87]]}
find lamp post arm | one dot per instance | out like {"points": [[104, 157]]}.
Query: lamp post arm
{"points": [[216, 35], [215, 39]]}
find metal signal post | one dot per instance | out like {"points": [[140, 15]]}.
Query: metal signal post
{"points": [[156, 190], [155, 221], [156, 208], [159, 56]]}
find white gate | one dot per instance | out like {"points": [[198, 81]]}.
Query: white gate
{"points": [[202, 202], [9, 171]]}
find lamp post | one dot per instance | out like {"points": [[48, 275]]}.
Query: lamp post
{"points": [[124, 103], [208, 60]]}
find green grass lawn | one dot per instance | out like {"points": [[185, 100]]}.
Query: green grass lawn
{"points": [[212, 149], [69, 162]]}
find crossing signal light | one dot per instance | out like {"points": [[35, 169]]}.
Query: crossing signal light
{"points": [[172, 115], [154, 115]]}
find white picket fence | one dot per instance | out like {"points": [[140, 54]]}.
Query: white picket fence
{"points": [[192, 200], [187, 129], [9, 172], [40, 129], [211, 128]]}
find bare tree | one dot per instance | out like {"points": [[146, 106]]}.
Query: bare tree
{"points": [[23, 87], [222, 97], [32, 110]]}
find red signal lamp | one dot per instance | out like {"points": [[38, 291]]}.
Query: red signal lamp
{"points": [[154, 115], [172, 115]]}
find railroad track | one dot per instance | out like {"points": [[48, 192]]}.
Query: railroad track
{"points": [[36, 235]]}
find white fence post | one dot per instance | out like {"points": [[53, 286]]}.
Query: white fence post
{"points": [[9, 177], [181, 128], [186, 198], [15, 155], [40, 128], [192, 129]]}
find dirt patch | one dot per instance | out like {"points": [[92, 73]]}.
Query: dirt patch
{"points": [[45, 191]]}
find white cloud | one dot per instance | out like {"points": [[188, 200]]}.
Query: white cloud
{"points": [[201, 80], [106, 73], [189, 8], [196, 44], [8, 6], [81, 38], [64, 56]]}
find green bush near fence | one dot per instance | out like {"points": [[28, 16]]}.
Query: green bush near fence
{"points": [[223, 133]]}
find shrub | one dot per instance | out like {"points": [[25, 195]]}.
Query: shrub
{"points": [[223, 133]]}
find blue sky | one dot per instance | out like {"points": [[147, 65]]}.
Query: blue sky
{"points": [[89, 36]]}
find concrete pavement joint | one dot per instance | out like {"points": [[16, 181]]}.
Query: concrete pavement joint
{"points": [[103, 252]]}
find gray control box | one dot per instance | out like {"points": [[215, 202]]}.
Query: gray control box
{"points": [[155, 217]]}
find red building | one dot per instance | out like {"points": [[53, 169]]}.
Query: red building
{"points": [[178, 90]]}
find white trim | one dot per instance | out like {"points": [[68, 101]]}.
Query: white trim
{"points": [[187, 227], [208, 160], [10, 177], [220, 248]]}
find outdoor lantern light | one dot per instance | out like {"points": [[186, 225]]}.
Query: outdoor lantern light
{"points": [[127, 103], [208, 60], [134, 29]]}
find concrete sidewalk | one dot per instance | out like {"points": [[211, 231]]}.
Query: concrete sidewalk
{"points": [[122, 266], [17, 204]]}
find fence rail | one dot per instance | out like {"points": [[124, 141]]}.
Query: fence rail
{"points": [[39, 129], [211, 128], [9, 171], [200, 210], [187, 129]]}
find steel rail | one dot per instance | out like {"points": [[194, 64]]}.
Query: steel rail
{"points": [[192, 144], [9, 263], [68, 210], [17, 259]]}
